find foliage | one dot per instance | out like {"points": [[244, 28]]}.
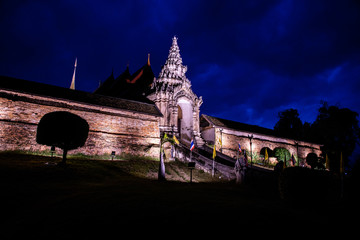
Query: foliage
{"points": [[338, 129], [312, 160], [62, 129], [289, 124], [281, 154]]}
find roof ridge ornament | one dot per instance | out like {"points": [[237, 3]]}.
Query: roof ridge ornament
{"points": [[174, 40]]}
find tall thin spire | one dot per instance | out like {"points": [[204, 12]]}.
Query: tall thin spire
{"points": [[148, 63], [72, 86], [173, 67]]}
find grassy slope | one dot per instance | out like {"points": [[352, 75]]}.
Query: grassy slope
{"points": [[35, 192]]}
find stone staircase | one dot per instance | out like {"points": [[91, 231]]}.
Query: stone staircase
{"points": [[224, 166], [200, 142], [202, 156]]}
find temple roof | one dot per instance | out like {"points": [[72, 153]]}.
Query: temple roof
{"points": [[238, 126], [41, 89], [224, 123], [135, 87]]}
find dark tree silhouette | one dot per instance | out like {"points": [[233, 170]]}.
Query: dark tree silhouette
{"points": [[63, 130], [312, 160], [338, 129], [289, 124]]}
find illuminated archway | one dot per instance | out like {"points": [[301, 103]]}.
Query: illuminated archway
{"points": [[282, 154], [269, 151], [185, 118]]}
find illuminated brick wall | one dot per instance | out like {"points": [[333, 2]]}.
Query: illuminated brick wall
{"points": [[231, 138], [110, 129]]}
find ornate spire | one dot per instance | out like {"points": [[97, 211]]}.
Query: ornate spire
{"points": [[72, 86], [173, 68]]}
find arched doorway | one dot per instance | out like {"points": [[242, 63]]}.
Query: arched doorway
{"points": [[270, 154], [269, 151], [282, 154], [185, 118]]}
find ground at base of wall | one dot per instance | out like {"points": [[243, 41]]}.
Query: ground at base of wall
{"points": [[52, 199]]}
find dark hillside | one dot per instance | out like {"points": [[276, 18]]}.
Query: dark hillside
{"points": [[89, 196]]}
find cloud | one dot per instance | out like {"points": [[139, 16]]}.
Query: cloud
{"points": [[248, 59]]}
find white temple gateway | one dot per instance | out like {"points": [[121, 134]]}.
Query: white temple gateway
{"points": [[176, 100]]}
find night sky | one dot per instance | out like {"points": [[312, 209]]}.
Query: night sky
{"points": [[247, 59]]}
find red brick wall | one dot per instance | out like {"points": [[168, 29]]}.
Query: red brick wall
{"points": [[110, 129]]}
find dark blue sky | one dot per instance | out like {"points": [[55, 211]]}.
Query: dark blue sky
{"points": [[247, 59]]}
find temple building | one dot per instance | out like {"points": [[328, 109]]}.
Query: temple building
{"points": [[131, 112]]}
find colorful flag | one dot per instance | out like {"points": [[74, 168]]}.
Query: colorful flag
{"points": [[266, 155], [239, 147], [214, 152], [293, 159], [341, 164], [175, 140], [165, 136], [192, 145], [220, 142], [213, 162], [245, 158]]}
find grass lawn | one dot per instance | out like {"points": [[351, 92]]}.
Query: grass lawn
{"points": [[118, 195]]}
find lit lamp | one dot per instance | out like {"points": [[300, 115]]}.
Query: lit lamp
{"points": [[250, 138], [191, 166]]}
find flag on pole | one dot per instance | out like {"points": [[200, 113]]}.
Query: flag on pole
{"points": [[266, 155], [175, 140], [213, 162], [220, 142], [341, 164], [293, 159], [327, 162], [245, 158], [239, 147], [214, 152], [192, 145], [165, 136]]}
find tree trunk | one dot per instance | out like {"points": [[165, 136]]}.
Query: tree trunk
{"points": [[64, 156]]}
